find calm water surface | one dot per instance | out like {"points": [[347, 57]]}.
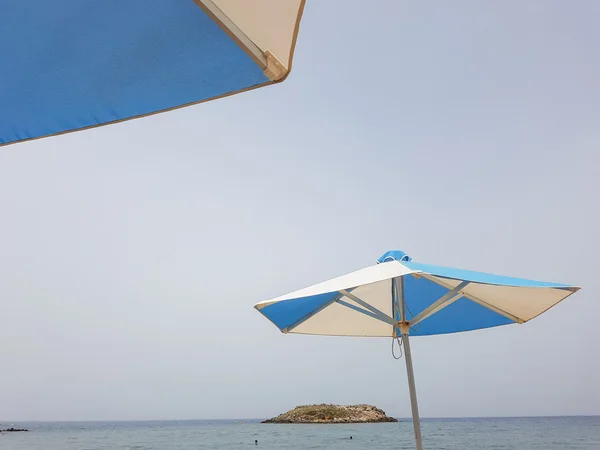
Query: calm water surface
{"points": [[557, 433]]}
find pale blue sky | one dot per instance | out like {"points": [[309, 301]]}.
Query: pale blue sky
{"points": [[465, 133]]}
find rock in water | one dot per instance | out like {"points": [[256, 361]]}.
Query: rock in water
{"points": [[333, 414]]}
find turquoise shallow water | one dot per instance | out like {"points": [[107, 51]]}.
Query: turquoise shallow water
{"points": [[581, 433]]}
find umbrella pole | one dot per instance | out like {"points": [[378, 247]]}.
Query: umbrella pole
{"points": [[412, 388]]}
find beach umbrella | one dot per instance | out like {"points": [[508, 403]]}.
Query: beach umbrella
{"points": [[68, 65], [399, 297]]}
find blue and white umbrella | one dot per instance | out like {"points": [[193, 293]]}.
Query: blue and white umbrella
{"points": [[398, 297], [74, 64]]}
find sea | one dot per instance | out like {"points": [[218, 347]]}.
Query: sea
{"points": [[540, 433]]}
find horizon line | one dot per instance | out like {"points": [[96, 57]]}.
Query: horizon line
{"points": [[556, 416]]}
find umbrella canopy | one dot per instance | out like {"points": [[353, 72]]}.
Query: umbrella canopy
{"points": [[398, 297], [438, 300], [75, 64]]}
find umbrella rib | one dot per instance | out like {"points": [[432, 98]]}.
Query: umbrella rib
{"points": [[385, 319], [238, 36], [476, 300], [444, 301], [380, 314], [311, 314]]}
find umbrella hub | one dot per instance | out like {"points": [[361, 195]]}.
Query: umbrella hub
{"points": [[404, 327], [394, 255]]}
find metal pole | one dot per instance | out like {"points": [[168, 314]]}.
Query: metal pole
{"points": [[405, 329], [413, 390]]}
